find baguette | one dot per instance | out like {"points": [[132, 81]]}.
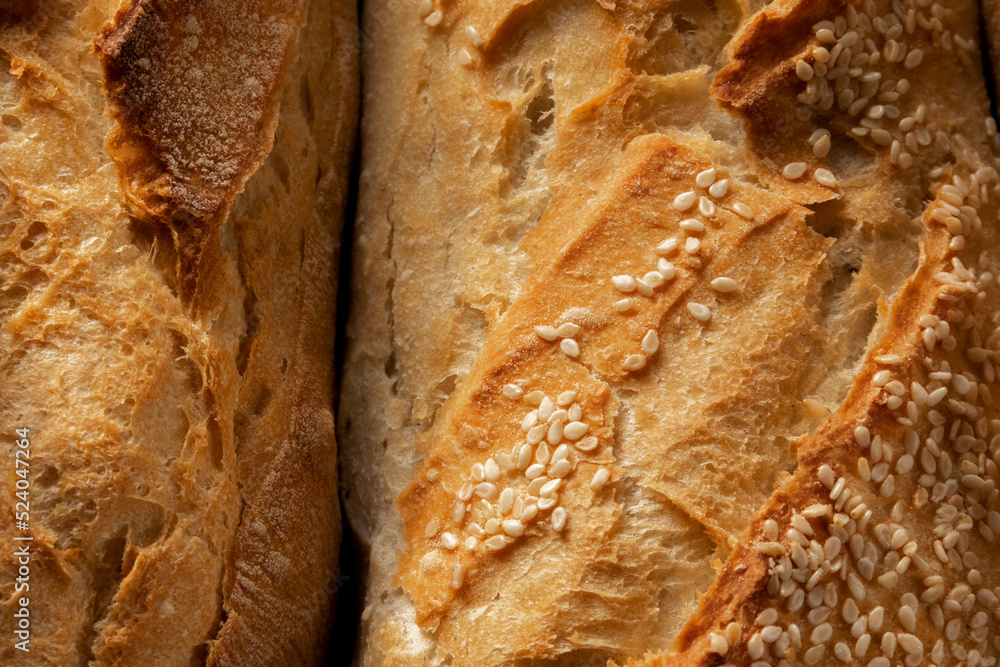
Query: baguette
{"points": [[174, 176], [729, 292]]}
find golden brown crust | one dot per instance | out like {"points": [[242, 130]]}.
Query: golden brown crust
{"points": [[582, 131], [193, 87], [183, 488]]}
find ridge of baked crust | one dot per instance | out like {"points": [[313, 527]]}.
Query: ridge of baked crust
{"points": [[194, 89]]}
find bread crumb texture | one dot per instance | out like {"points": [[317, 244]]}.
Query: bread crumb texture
{"points": [[167, 280], [674, 334]]}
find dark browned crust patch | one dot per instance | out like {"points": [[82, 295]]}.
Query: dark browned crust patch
{"points": [[194, 87]]}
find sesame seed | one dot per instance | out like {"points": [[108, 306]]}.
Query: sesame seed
{"points": [[568, 330], [794, 170], [545, 409], [767, 617], [913, 58], [534, 397], [464, 57], [536, 484], [506, 502], [685, 201], [472, 35], [547, 332], [888, 359], [550, 487], [570, 347], [814, 408], [449, 541], [486, 490], [555, 433], [827, 476], [566, 398], [586, 444], [534, 471], [492, 470], [719, 188], [558, 519], [575, 430], [560, 468], [667, 247], [770, 548], [512, 391], [692, 245], [770, 634], [881, 137], [862, 436], [457, 576], [692, 225], [644, 288], [665, 268], [724, 284], [822, 146], [825, 178], [600, 478], [634, 362], [706, 207], [743, 210], [621, 283], [650, 342], [910, 643], [804, 70], [434, 18], [699, 311], [654, 279], [718, 644], [624, 305], [822, 634], [513, 527], [496, 543], [705, 178]]}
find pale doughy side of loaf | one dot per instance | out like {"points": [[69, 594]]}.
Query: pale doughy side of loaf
{"points": [[518, 155], [183, 478]]}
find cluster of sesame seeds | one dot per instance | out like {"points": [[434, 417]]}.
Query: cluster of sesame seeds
{"points": [[857, 65], [957, 209], [939, 456], [564, 334], [490, 515], [475, 40], [432, 17], [716, 188]]}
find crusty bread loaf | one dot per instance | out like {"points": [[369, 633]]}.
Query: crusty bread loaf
{"points": [[724, 277], [173, 180]]}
